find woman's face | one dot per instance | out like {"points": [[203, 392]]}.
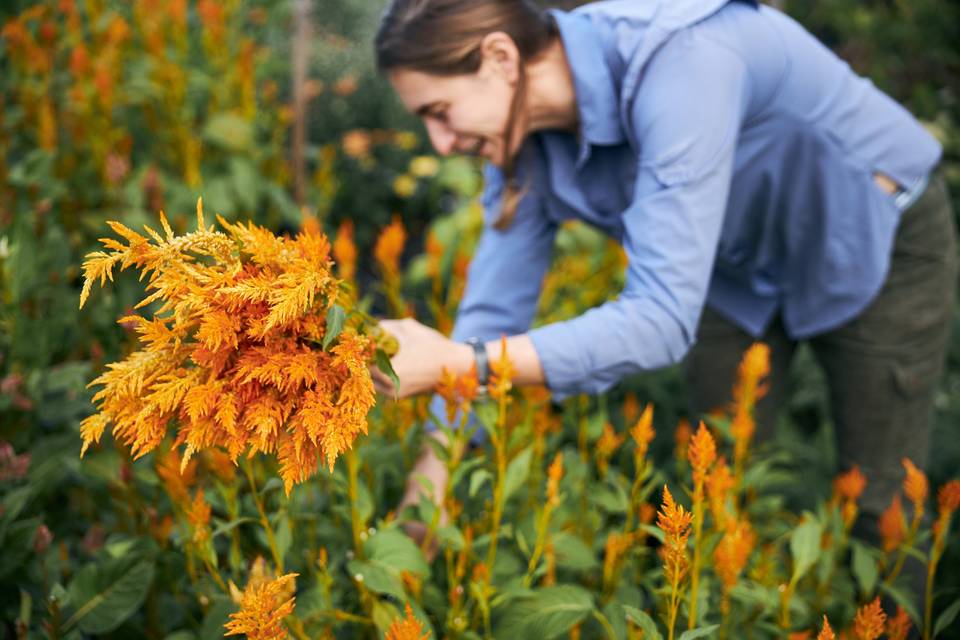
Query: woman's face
{"points": [[465, 114]]}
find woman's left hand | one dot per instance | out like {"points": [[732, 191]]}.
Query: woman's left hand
{"points": [[422, 354]]}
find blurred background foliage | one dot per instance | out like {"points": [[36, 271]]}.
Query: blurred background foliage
{"points": [[116, 110]]}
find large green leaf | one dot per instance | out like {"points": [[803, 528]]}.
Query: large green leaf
{"points": [[396, 551], [517, 473], [229, 131], [702, 632], [645, 622], [946, 618], [105, 595], [547, 613], [805, 546], [377, 578], [865, 568]]}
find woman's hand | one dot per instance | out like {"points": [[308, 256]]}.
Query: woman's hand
{"points": [[422, 354]]}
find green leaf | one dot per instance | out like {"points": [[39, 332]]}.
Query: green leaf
{"points": [[902, 599], [865, 569], [477, 478], [396, 551], [217, 615], [547, 613], [946, 618], [105, 595], [383, 363], [573, 553], [376, 578], [644, 621], [229, 131], [805, 546], [517, 473], [335, 320], [702, 632]]}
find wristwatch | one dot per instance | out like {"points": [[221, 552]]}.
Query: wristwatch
{"points": [[483, 363]]}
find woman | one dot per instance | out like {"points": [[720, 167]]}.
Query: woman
{"points": [[761, 190]]}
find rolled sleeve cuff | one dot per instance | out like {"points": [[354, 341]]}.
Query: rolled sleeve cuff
{"points": [[557, 346]]}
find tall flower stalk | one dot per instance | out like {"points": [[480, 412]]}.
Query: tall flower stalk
{"points": [[702, 455], [675, 522]]}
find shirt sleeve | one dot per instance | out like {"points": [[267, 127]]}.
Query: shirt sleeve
{"points": [[506, 273], [685, 119]]}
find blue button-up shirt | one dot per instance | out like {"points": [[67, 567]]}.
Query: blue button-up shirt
{"points": [[731, 154]]}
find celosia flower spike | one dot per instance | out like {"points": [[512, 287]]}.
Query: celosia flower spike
{"points": [[702, 453], [826, 632], [915, 487], [261, 611], [869, 622]]}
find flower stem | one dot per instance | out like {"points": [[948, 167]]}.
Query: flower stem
{"points": [[264, 521]]}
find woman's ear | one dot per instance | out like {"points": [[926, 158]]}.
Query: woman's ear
{"points": [[500, 57]]}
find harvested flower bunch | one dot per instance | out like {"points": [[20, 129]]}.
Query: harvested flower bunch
{"points": [[248, 350]]}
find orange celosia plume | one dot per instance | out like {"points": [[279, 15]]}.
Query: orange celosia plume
{"points": [[237, 353], [262, 610], [869, 622]]}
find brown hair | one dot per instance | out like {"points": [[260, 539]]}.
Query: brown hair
{"points": [[442, 37]]}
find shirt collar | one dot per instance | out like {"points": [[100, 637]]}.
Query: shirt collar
{"points": [[597, 99]]}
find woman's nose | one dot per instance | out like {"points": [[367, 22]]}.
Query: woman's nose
{"points": [[442, 138]]}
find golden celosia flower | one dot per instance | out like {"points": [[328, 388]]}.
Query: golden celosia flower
{"points": [[915, 487], [501, 373], [345, 251], [893, 527], [733, 551], [826, 633], [198, 515], [262, 610], [753, 368], [616, 545], [869, 621], [948, 497], [233, 354], [642, 432], [718, 485], [175, 476], [850, 484], [220, 464], [899, 625], [389, 246], [631, 408], [702, 453], [681, 438], [357, 143], [554, 475], [607, 445], [424, 166], [675, 522]]}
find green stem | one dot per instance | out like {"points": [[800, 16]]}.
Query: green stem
{"points": [[356, 526], [264, 521], [697, 544]]}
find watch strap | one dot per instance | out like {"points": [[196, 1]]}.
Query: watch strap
{"points": [[482, 361]]}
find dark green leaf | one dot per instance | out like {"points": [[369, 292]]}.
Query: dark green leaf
{"points": [[336, 317], [517, 472], [383, 363], [865, 569], [702, 632], [645, 622], [946, 618], [805, 546], [547, 613], [107, 594]]}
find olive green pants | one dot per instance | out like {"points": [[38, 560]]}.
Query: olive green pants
{"points": [[882, 367]]}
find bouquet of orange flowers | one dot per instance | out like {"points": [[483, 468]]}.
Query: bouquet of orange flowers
{"points": [[249, 349]]}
